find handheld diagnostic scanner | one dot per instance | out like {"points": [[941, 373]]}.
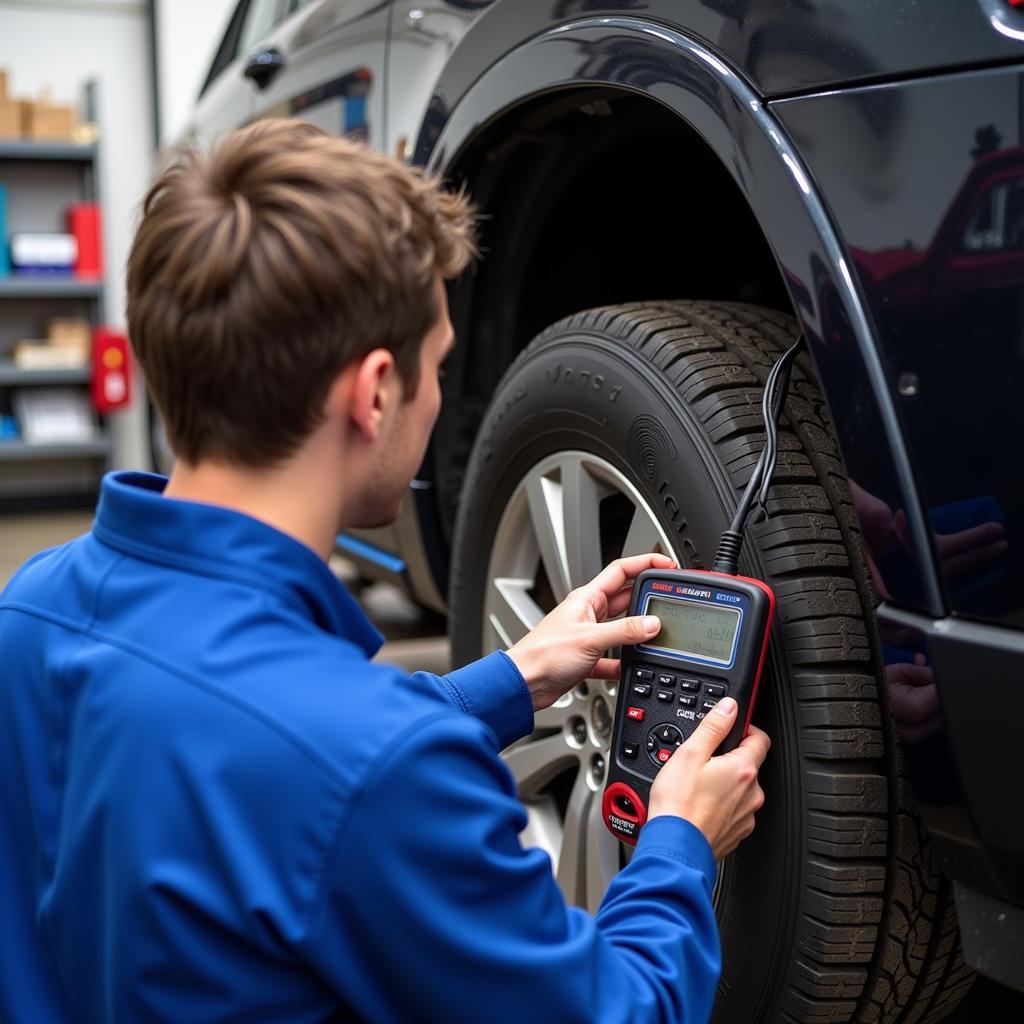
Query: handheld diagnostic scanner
{"points": [[712, 644]]}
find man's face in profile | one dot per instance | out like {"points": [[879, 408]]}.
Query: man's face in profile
{"points": [[403, 441]]}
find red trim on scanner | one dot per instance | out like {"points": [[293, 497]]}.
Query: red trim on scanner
{"points": [[629, 831]]}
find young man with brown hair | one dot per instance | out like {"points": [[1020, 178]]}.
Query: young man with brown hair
{"points": [[213, 806]]}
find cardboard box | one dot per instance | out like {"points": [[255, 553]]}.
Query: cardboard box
{"points": [[70, 330], [12, 118], [41, 355], [51, 122], [12, 112]]}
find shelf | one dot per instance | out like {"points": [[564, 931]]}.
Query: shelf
{"points": [[24, 149], [45, 286], [12, 375], [20, 451]]}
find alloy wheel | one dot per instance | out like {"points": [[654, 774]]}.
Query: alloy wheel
{"points": [[571, 514]]}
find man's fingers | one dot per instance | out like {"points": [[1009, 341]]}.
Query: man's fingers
{"points": [[706, 738], [606, 668], [619, 602], [757, 743], [913, 704], [950, 544], [976, 560], [909, 675], [616, 632], [620, 572]]}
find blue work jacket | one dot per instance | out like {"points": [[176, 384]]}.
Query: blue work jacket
{"points": [[214, 807]]}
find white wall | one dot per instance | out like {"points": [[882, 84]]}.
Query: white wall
{"points": [[60, 44], [187, 35]]}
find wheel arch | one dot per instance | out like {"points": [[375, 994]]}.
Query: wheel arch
{"points": [[558, 74]]}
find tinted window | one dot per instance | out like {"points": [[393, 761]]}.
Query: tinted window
{"points": [[252, 20], [228, 45]]}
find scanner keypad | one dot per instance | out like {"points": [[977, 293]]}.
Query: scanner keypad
{"points": [[672, 703]]}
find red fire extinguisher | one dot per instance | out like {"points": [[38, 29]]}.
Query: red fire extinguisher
{"points": [[111, 369]]}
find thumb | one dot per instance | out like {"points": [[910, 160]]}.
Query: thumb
{"points": [[715, 726], [632, 630]]}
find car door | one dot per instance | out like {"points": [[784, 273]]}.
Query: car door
{"points": [[329, 60], [228, 96]]}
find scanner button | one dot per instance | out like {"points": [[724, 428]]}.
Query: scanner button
{"points": [[663, 755], [665, 695], [708, 705], [714, 690], [629, 749], [665, 679], [689, 683], [645, 675], [637, 714], [688, 700], [642, 689]]}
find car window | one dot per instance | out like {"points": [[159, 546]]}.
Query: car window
{"points": [[228, 49], [997, 224], [260, 19]]}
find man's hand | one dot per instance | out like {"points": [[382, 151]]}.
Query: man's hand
{"points": [[568, 644], [719, 795], [913, 699]]}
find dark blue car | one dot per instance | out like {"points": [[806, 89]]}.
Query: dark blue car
{"points": [[674, 190]]}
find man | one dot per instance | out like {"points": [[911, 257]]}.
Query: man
{"points": [[213, 807]]}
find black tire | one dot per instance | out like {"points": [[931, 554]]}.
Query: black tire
{"points": [[831, 911]]}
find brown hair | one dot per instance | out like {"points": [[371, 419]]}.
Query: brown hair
{"points": [[260, 269]]}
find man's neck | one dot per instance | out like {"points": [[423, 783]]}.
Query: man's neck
{"points": [[289, 497]]}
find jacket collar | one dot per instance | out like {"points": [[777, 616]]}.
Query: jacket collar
{"points": [[133, 516]]}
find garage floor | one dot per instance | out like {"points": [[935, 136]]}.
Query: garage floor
{"points": [[414, 641]]}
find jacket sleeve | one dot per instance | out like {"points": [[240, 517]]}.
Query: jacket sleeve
{"points": [[432, 910], [493, 690]]}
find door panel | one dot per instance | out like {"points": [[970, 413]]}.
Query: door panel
{"points": [[335, 64]]}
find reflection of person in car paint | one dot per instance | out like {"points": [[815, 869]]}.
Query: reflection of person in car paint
{"points": [[964, 555]]}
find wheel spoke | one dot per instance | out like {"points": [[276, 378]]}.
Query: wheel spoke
{"points": [[510, 610], [534, 763], [543, 827], [572, 865], [581, 500], [545, 501], [644, 535], [555, 716]]}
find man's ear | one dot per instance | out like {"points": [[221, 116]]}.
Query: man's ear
{"points": [[362, 393]]}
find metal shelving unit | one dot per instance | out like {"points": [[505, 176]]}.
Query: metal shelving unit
{"points": [[42, 179], [66, 152], [11, 451], [48, 286], [13, 376]]}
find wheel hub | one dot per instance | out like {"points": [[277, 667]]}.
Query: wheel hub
{"points": [[601, 718]]}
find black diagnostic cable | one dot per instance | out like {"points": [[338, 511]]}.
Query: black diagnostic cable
{"points": [[774, 398]]}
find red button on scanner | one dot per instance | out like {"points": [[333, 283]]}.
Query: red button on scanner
{"points": [[663, 755], [635, 713]]}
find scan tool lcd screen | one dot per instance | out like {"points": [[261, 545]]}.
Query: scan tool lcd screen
{"points": [[700, 630]]}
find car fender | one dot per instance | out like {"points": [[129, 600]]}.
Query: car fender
{"points": [[722, 107]]}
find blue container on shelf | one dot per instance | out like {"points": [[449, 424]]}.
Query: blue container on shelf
{"points": [[5, 254], [8, 428]]}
